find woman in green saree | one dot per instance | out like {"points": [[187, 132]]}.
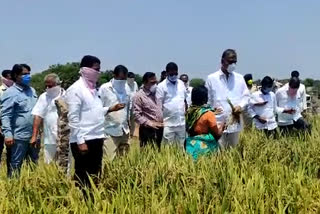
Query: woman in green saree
{"points": [[201, 125]]}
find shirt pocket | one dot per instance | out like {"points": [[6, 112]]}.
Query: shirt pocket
{"points": [[24, 104]]}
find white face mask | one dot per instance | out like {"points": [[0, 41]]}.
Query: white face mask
{"points": [[173, 78], [130, 81], [153, 88], [54, 91], [119, 85], [231, 68]]}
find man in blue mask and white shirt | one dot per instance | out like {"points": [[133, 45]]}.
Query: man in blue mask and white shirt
{"points": [[115, 95], [17, 103], [229, 95], [171, 94]]}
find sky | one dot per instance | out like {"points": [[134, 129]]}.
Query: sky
{"points": [[271, 37]]}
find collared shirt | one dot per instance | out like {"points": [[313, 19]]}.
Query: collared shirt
{"points": [[284, 101], [172, 101], [47, 110], [16, 107], [116, 123], [133, 88], [303, 94], [267, 111], [3, 88], [146, 108], [86, 113], [189, 91], [220, 89]]}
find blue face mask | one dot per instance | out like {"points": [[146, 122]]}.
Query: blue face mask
{"points": [[266, 90], [26, 78], [173, 78]]}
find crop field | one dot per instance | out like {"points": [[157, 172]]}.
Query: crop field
{"points": [[258, 176]]}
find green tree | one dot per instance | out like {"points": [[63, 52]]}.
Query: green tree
{"points": [[105, 77], [308, 82], [138, 79], [197, 82], [68, 73]]}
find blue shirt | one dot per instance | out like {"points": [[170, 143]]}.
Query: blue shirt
{"points": [[16, 106]]}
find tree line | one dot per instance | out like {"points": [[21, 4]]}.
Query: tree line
{"points": [[69, 73]]}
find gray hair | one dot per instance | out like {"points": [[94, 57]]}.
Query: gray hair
{"points": [[54, 77]]}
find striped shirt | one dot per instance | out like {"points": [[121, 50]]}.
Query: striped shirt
{"points": [[145, 108]]}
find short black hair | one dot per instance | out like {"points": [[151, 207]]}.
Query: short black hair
{"points": [[294, 82], [147, 76], [5, 73], [26, 66], [89, 61], [163, 73], [120, 69], [267, 82], [171, 66], [199, 95], [16, 70], [295, 74], [131, 75], [247, 77], [227, 53]]}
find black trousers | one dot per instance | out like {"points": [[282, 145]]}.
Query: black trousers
{"points": [[150, 136], [89, 163], [300, 125], [272, 134], [1, 145]]}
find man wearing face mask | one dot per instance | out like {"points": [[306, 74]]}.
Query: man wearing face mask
{"points": [[116, 97], [247, 120], [289, 102], [16, 105], [263, 108], [86, 119], [148, 112], [185, 79], [302, 92], [171, 95], [6, 83], [228, 93], [45, 111], [133, 88]]}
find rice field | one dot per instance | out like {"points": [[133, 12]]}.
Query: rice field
{"points": [[259, 176]]}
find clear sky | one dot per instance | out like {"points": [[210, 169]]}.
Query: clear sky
{"points": [[272, 37]]}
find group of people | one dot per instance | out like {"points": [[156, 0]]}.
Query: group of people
{"points": [[102, 119]]}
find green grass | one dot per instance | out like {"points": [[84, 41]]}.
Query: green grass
{"points": [[259, 176]]}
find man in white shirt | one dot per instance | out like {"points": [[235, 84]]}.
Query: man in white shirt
{"points": [[171, 95], [45, 111], [302, 92], [290, 108], [86, 119], [247, 120], [263, 108], [228, 93], [185, 79], [116, 97], [133, 88]]}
